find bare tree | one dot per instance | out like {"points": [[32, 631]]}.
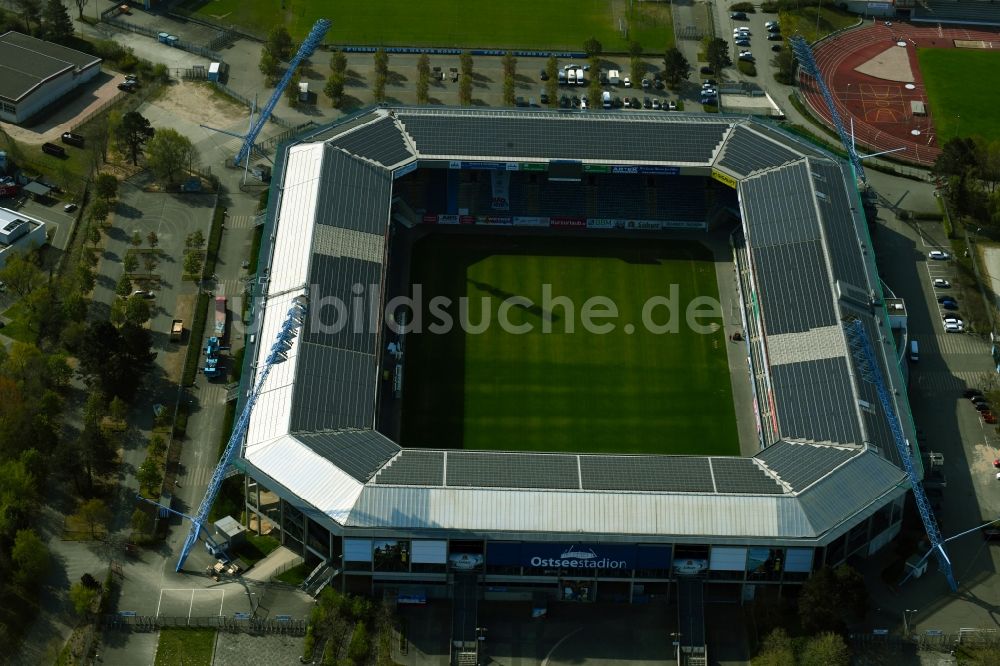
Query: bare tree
{"points": [[80, 4]]}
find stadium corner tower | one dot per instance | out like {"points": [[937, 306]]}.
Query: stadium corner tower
{"points": [[819, 479]]}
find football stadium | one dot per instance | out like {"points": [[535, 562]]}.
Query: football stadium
{"points": [[570, 356]]}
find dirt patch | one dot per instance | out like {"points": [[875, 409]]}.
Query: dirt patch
{"points": [[173, 357], [199, 103]]}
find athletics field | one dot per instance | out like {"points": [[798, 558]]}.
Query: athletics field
{"points": [[510, 24], [567, 389]]}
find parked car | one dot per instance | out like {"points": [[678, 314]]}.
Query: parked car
{"points": [[954, 328], [982, 407], [646, 83], [658, 84], [69, 208], [144, 294], [627, 82], [988, 417], [647, 103], [938, 255], [627, 103], [971, 393], [746, 55], [949, 305], [941, 283], [671, 106], [656, 104], [945, 297], [776, 48], [738, 16], [774, 37], [543, 75], [742, 42]]}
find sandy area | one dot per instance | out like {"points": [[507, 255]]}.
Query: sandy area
{"points": [[893, 64], [76, 107], [198, 103]]}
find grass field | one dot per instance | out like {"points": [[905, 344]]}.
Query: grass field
{"points": [[185, 647], [805, 21], [527, 24], [950, 75], [566, 391]]}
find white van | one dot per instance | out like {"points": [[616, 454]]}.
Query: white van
{"points": [[914, 351], [571, 77], [579, 77]]}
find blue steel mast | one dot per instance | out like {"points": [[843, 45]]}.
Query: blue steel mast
{"points": [[315, 36], [864, 357], [289, 329]]}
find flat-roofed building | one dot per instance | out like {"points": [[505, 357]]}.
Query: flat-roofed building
{"points": [[35, 73]]}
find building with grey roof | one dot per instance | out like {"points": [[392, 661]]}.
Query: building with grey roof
{"points": [[827, 482], [35, 73]]}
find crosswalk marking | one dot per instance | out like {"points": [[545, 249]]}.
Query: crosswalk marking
{"points": [[230, 287], [240, 221]]}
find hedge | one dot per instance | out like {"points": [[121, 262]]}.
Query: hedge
{"points": [[194, 344], [746, 7], [214, 241], [747, 67]]}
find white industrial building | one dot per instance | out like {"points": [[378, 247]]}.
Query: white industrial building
{"points": [[18, 233], [35, 73]]}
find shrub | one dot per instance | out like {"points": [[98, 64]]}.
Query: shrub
{"points": [[308, 644], [358, 648], [181, 422], [746, 7], [214, 241], [769, 7], [747, 68]]}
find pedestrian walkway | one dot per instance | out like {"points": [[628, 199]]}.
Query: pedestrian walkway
{"points": [[241, 221], [230, 287], [278, 560]]}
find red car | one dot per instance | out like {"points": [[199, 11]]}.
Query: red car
{"points": [[988, 417]]}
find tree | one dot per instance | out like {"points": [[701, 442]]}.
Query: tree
{"points": [[676, 68], [124, 286], [80, 4], [594, 89], [21, 274], [152, 239], [95, 513], [634, 49], [465, 63], [334, 89], [149, 261], [137, 310], [194, 240], [117, 409], [99, 211], [508, 91], [338, 62], [831, 599], [149, 475], [98, 457], [268, 66], [106, 186], [94, 235], [423, 78], [381, 74], [85, 281], [130, 264], [31, 11], [133, 133], [279, 42], [593, 48], [170, 154], [784, 65], [717, 55], [58, 24], [30, 557], [114, 359], [637, 70], [82, 597], [509, 63], [136, 238], [552, 85], [465, 90], [292, 91], [140, 521], [827, 649], [777, 650]]}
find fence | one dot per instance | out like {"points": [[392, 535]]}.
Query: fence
{"points": [[96, 112], [930, 640], [150, 32], [238, 623], [246, 101]]}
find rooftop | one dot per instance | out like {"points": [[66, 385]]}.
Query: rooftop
{"points": [[312, 430], [26, 62]]}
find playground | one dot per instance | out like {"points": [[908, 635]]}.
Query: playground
{"points": [[875, 78]]}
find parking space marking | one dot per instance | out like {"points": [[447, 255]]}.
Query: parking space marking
{"points": [[192, 590]]}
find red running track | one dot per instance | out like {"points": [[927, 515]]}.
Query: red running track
{"points": [[880, 108]]}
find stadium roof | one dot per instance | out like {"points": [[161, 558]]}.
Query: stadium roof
{"points": [[27, 62], [312, 432]]}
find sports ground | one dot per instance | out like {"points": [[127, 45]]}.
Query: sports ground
{"points": [[568, 389], [515, 24], [950, 75]]}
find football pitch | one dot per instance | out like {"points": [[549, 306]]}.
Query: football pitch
{"points": [[566, 388], [510, 24], [949, 76]]}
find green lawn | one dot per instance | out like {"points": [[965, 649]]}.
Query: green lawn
{"points": [[576, 391], [18, 327], [949, 75], [527, 24], [804, 21], [185, 647]]}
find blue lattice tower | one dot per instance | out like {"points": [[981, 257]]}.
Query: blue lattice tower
{"points": [[868, 367], [315, 36], [806, 60], [289, 329]]}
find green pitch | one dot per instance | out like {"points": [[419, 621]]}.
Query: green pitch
{"points": [[959, 99], [515, 24], [645, 392]]}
